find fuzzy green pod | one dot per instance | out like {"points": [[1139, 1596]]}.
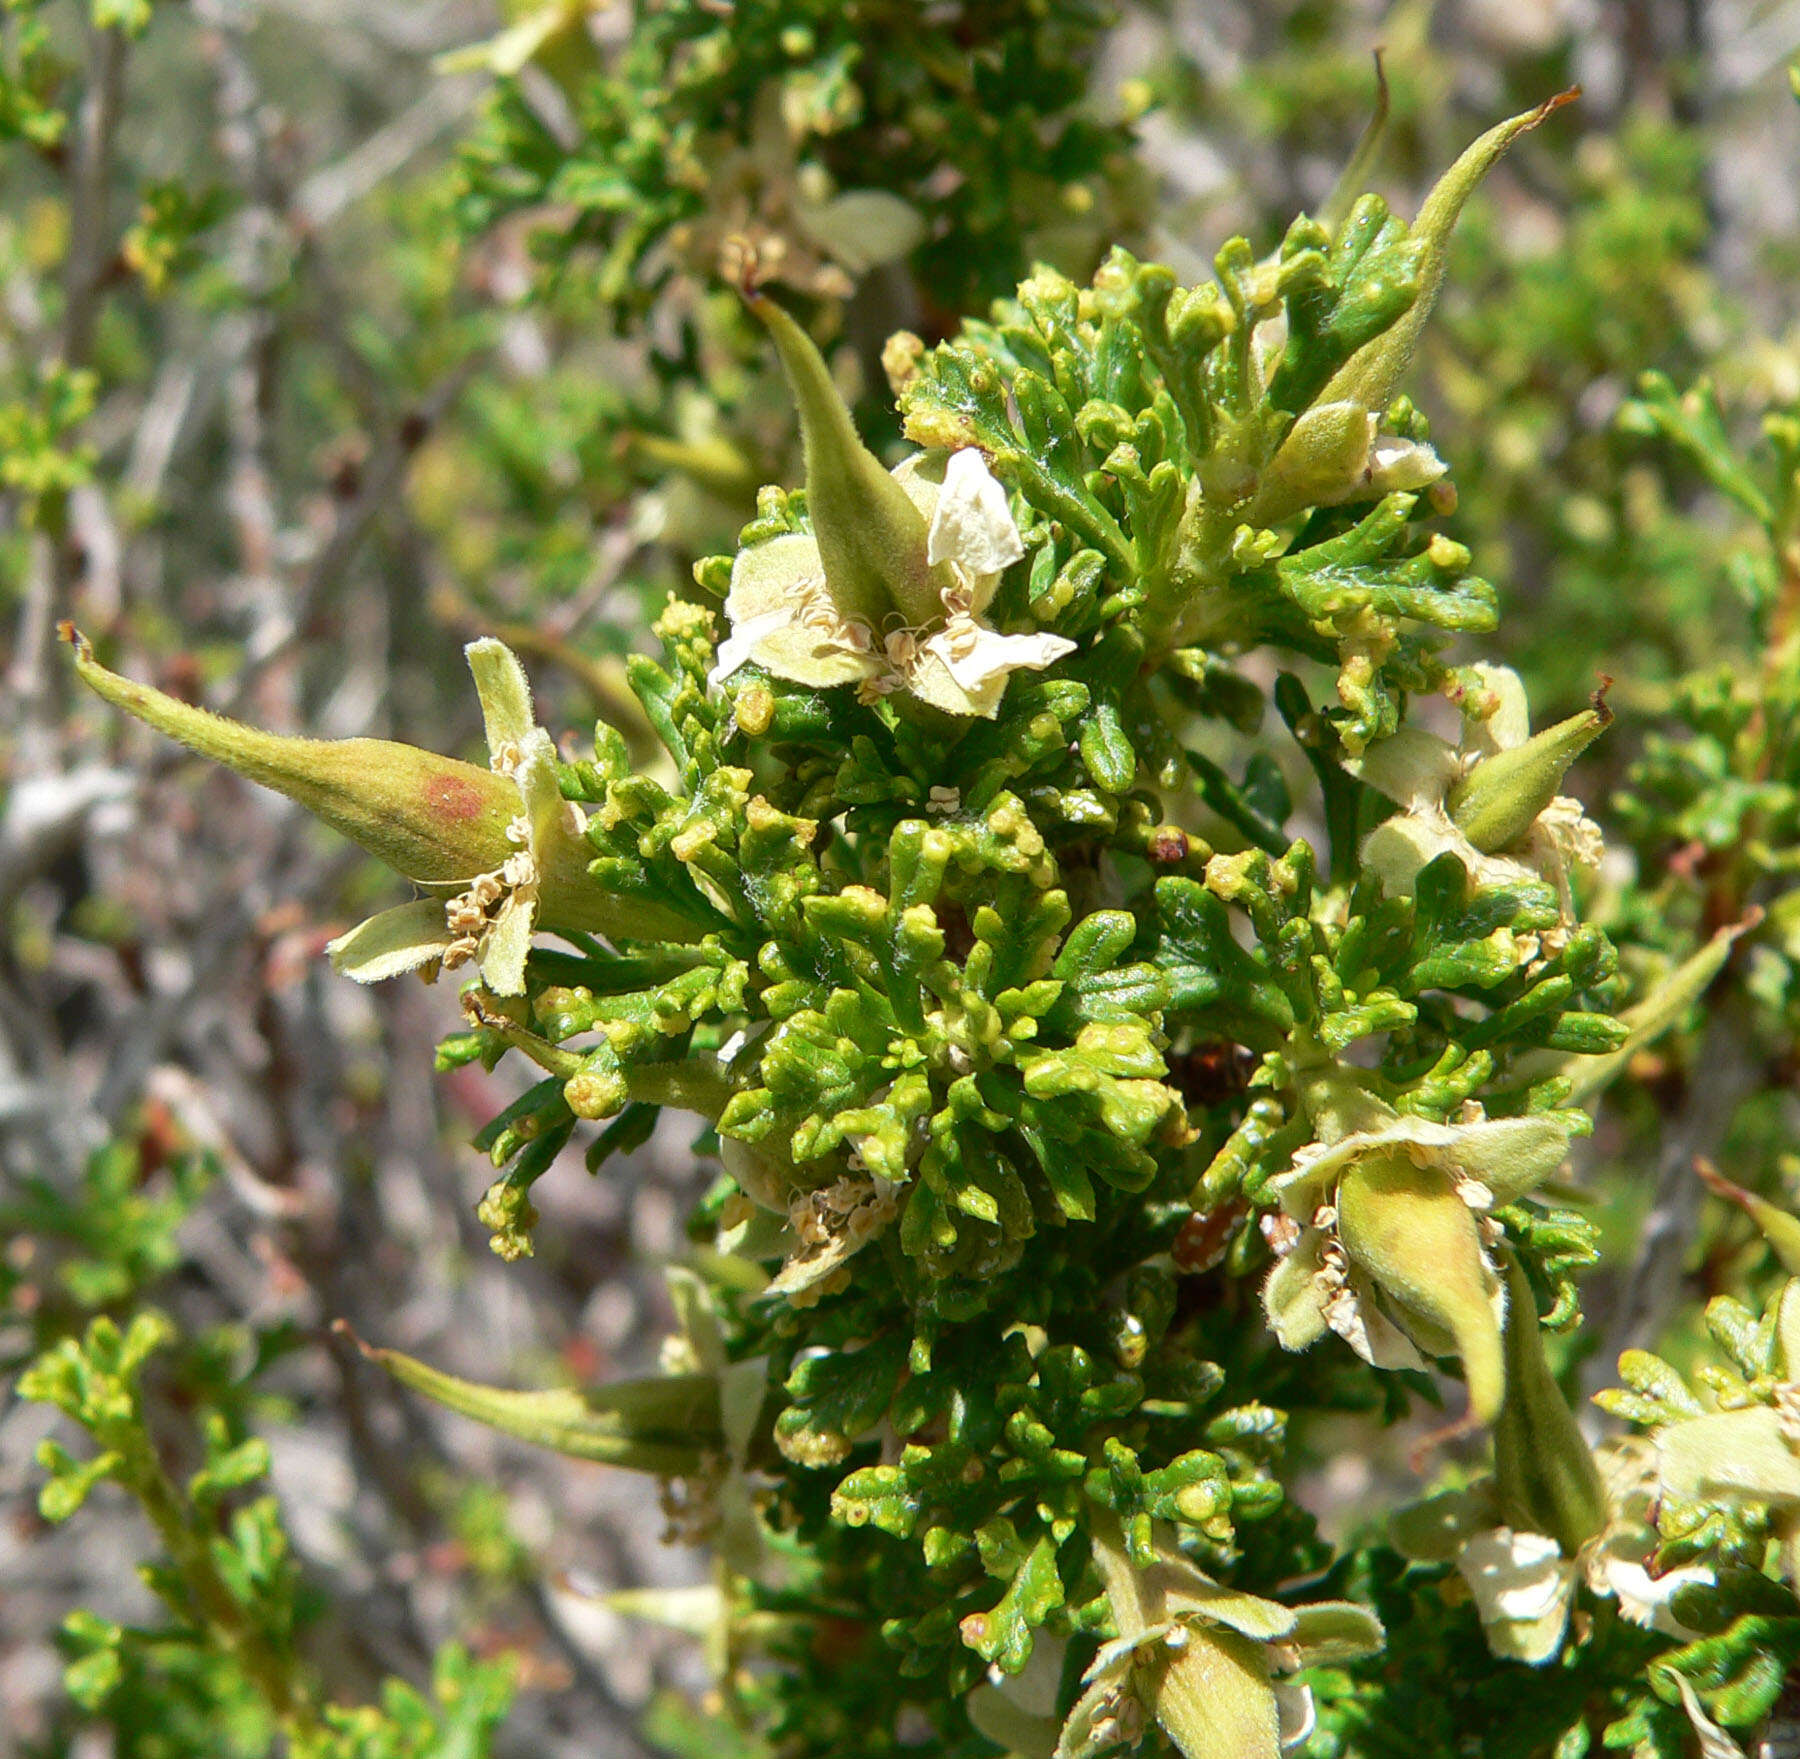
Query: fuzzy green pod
{"points": [[1499, 800], [1371, 375], [1407, 1227], [1216, 1700], [434, 819], [1544, 1470], [664, 1424], [872, 539]]}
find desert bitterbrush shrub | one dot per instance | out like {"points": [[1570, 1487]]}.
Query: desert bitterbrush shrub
{"points": [[1144, 989]]}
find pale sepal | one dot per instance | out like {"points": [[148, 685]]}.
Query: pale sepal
{"points": [[391, 943]]}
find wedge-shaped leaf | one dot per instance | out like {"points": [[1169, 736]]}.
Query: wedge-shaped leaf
{"points": [[1003, 1636]]}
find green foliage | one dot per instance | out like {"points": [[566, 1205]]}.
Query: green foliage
{"points": [[115, 1235], [1123, 1094], [225, 1674], [839, 136]]}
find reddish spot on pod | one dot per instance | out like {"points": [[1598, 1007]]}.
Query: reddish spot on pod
{"points": [[450, 796], [1168, 844]]}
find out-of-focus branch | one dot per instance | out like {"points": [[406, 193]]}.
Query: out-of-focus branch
{"points": [[30, 679], [91, 249], [327, 192], [1642, 1303]]}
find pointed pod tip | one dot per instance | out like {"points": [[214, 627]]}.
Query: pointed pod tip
{"points": [[1776, 1225], [87, 667], [740, 263], [342, 1328], [1716, 1182]]}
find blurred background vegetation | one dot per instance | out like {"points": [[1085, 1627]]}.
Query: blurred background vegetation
{"points": [[333, 335]]}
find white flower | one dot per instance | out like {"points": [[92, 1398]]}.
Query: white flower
{"points": [[783, 616], [1524, 1584], [492, 919], [1422, 774], [1524, 1587]]}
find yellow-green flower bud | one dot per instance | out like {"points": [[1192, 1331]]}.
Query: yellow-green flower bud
{"points": [[1410, 1230], [872, 539], [434, 819], [1499, 800], [1544, 1471]]}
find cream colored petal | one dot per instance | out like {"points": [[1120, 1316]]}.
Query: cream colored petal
{"points": [[972, 525], [1399, 847], [921, 475], [548, 816], [1017, 1712], [1293, 1298], [1643, 1598], [807, 1268], [739, 647], [1003, 654], [930, 679], [1012, 1730], [1715, 1743], [772, 576], [1730, 1456], [863, 228], [771, 586], [1523, 1588], [814, 658], [1294, 1705], [1564, 838], [1412, 768], [965, 677], [1627, 1465], [1356, 1316], [1510, 723], [1401, 466], [396, 941], [506, 943]]}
